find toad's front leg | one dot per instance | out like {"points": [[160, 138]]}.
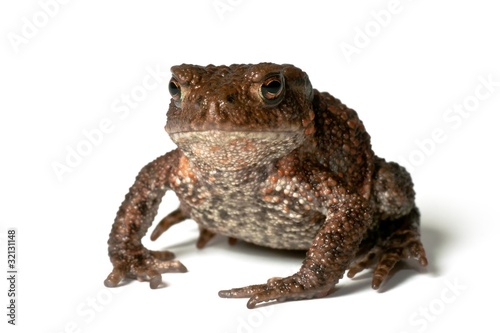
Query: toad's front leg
{"points": [[128, 256], [330, 254]]}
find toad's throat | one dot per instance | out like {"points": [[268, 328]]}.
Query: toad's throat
{"points": [[236, 150]]}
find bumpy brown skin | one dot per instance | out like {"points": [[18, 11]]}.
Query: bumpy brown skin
{"points": [[265, 158]]}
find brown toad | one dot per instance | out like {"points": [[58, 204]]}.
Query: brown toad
{"points": [[265, 158]]}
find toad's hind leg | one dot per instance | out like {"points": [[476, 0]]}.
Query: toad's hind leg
{"points": [[175, 217], [178, 216], [171, 219], [395, 240], [396, 236], [206, 235]]}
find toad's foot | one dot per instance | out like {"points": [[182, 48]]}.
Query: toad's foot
{"points": [[143, 265], [171, 219], [398, 240], [277, 289]]}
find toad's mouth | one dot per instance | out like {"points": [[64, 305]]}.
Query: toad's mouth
{"points": [[236, 150]]}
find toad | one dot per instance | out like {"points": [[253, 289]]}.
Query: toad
{"points": [[265, 158]]}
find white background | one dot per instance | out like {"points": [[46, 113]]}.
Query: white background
{"points": [[70, 74]]}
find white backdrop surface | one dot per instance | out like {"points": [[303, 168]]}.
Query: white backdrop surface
{"points": [[423, 76]]}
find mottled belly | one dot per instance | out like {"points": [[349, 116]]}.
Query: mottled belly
{"points": [[258, 222]]}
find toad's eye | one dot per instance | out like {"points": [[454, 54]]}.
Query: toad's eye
{"points": [[175, 89], [272, 90]]}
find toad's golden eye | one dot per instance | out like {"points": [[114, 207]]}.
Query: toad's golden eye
{"points": [[175, 89], [272, 89]]}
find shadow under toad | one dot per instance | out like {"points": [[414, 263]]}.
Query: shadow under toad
{"points": [[434, 239]]}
